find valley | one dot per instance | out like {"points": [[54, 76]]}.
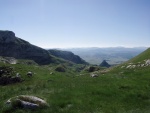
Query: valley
{"points": [[66, 84], [115, 91], [113, 55]]}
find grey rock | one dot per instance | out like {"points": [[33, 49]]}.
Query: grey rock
{"points": [[10, 60], [147, 62], [26, 102], [29, 74], [94, 75], [128, 66], [28, 105]]}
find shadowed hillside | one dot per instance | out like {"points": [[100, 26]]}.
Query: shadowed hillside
{"points": [[67, 56]]}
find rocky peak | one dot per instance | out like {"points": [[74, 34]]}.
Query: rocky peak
{"points": [[12, 46], [104, 64], [7, 36]]}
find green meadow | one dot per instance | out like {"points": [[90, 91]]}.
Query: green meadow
{"points": [[117, 91]]}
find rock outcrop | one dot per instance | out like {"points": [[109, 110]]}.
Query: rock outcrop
{"points": [[7, 76], [11, 46], [145, 63], [104, 64], [9, 60], [7, 36]]}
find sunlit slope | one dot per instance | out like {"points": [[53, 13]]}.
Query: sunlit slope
{"points": [[141, 57], [142, 61]]}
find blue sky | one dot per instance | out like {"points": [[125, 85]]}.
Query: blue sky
{"points": [[78, 23]]}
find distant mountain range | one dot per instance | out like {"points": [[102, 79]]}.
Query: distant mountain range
{"points": [[12, 46], [113, 55]]}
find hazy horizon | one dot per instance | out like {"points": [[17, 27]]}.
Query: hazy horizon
{"points": [[96, 47], [78, 23]]}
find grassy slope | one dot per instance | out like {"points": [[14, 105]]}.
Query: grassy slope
{"points": [[114, 92], [143, 56]]}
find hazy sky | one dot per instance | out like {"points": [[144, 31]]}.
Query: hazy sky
{"points": [[78, 23]]}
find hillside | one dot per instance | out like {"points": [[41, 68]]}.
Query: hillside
{"points": [[143, 56], [12, 46], [140, 61], [67, 56], [121, 90]]}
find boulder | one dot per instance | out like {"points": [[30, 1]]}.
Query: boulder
{"points": [[26, 102], [94, 75], [29, 74], [128, 66], [147, 62]]}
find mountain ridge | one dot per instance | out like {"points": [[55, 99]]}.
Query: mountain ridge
{"points": [[67, 56], [12, 46]]}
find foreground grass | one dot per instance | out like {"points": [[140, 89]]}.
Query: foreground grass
{"points": [[128, 92]]}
